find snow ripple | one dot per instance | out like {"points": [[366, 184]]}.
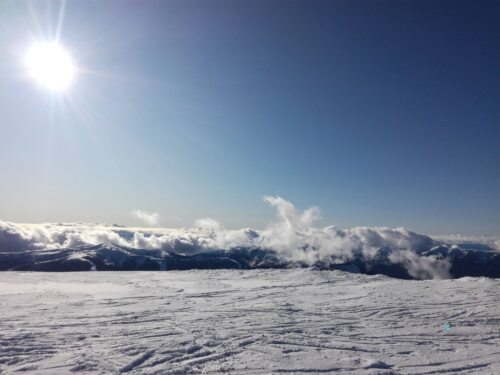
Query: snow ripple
{"points": [[247, 322]]}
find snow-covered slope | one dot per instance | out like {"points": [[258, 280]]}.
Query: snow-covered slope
{"points": [[246, 322]]}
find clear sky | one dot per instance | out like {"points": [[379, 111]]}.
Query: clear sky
{"points": [[382, 113]]}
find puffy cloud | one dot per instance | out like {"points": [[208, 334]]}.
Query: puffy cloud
{"points": [[293, 235], [422, 267], [207, 224], [152, 218], [13, 238]]}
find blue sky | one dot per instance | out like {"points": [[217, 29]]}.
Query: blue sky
{"points": [[382, 113]]}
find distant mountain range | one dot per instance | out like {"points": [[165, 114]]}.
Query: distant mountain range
{"points": [[470, 260]]}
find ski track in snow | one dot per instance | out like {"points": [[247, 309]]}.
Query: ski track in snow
{"points": [[296, 321]]}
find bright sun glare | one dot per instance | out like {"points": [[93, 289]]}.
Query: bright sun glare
{"points": [[50, 65]]}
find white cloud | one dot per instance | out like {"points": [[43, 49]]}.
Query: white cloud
{"points": [[207, 224], [422, 267], [152, 218], [293, 235]]}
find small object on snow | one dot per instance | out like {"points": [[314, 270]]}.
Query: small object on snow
{"points": [[447, 327]]}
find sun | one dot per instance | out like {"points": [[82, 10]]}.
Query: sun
{"points": [[50, 66]]}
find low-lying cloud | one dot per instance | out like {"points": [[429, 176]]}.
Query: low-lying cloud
{"points": [[293, 235]]}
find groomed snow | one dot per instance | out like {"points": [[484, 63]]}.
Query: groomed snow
{"points": [[246, 322]]}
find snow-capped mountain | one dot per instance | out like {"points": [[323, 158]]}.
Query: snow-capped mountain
{"points": [[386, 261]]}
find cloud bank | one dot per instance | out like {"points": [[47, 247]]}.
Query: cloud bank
{"points": [[293, 235]]}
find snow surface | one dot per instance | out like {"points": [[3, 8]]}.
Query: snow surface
{"points": [[246, 322]]}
